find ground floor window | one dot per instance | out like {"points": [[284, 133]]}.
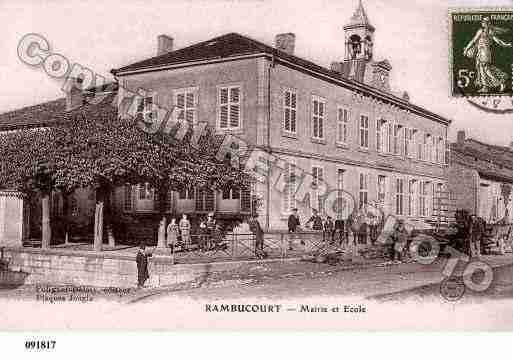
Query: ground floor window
{"points": [[399, 196], [363, 189], [231, 193], [186, 193]]}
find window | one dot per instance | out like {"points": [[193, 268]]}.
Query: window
{"points": [[127, 205], [409, 143], [146, 109], [363, 189], [289, 192], [289, 111], [382, 136], [379, 137], [317, 178], [447, 148], [438, 200], [382, 189], [185, 101], [390, 137], [364, 131], [342, 125], [427, 147], [396, 148], [440, 150], [399, 196], [186, 193], [411, 197], [318, 114], [424, 198], [146, 192], [230, 107], [420, 145], [231, 193]]}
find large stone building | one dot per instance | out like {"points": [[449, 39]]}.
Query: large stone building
{"points": [[343, 125]]}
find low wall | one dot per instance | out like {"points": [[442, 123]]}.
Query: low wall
{"points": [[103, 269]]}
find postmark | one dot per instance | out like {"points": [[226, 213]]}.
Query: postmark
{"points": [[481, 45]]}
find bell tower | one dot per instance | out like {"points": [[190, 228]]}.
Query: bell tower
{"points": [[359, 36]]}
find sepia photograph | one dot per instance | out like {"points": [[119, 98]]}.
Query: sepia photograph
{"points": [[256, 164]]}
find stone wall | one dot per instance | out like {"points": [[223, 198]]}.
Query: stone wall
{"points": [[103, 269]]}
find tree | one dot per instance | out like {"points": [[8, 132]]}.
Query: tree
{"points": [[92, 147]]}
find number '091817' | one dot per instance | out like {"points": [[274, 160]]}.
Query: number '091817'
{"points": [[40, 344]]}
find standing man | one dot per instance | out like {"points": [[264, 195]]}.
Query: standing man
{"points": [[142, 265], [293, 224], [255, 227], [340, 231], [329, 230], [185, 231], [211, 226]]}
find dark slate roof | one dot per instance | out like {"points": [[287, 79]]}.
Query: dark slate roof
{"points": [[233, 45], [228, 45], [53, 112], [497, 155], [39, 115]]}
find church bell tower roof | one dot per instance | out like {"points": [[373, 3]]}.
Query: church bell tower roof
{"points": [[359, 19]]}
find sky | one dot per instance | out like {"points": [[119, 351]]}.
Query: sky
{"points": [[108, 34]]}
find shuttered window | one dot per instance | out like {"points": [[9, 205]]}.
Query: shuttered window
{"points": [[318, 115], [229, 107], [185, 101], [364, 131], [317, 178], [342, 125], [289, 111], [288, 196], [399, 196]]}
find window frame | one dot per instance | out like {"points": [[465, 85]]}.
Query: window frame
{"points": [[321, 119], [315, 191], [291, 109], [219, 105], [412, 197], [184, 91], [378, 192], [366, 177], [399, 196], [343, 123], [290, 188], [365, 131]]}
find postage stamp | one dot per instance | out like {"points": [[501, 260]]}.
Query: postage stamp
{"points": [[482, 52]]}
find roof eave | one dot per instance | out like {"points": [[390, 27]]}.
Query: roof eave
{"points": [[353, 85]]}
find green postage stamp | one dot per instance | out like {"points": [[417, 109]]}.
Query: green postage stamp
{"points": [[481, 43]]}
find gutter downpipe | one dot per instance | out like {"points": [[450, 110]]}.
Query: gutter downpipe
{"points": [[269, 151]]}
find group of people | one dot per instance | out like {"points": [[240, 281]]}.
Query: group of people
{"points": [[179, 234], [332, 230]]}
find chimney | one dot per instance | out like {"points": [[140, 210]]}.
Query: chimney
{"points": [[285, 42], [74, 96], [165, 44], [460, 137]]}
